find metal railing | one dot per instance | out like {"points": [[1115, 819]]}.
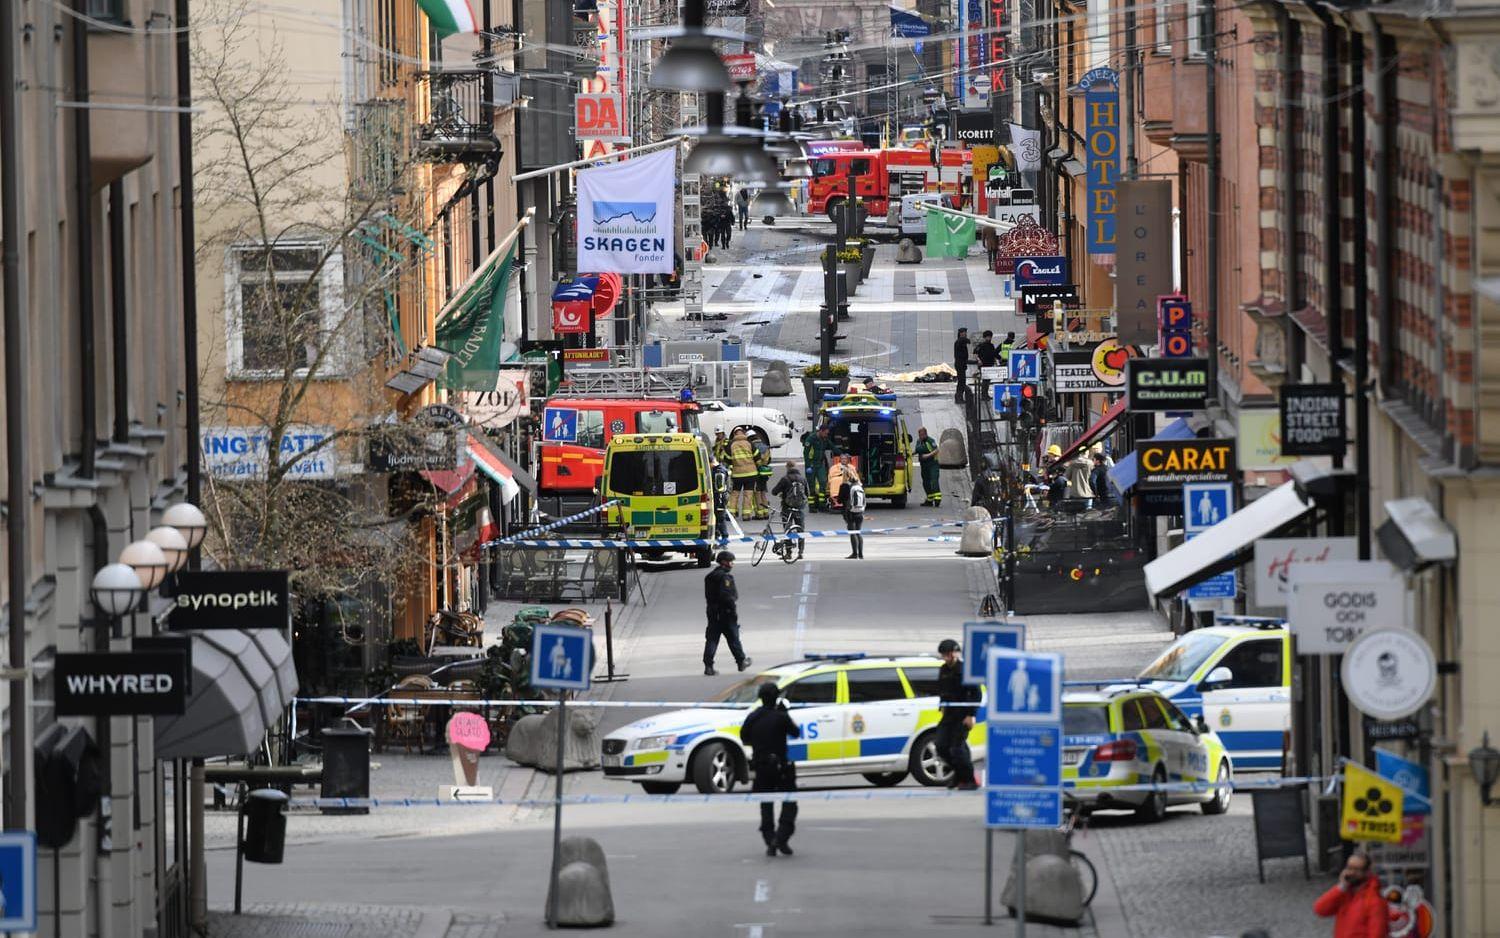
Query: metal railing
{"points": [[381, 140], [460, 123]]}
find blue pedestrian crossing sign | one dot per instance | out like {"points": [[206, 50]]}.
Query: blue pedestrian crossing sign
{"points": [[560, 425], [980, 637], [1205, 504], [1024, 687], [17, 881], [1007, 398], [1013, 809], [561, 657], [1025, 365]]}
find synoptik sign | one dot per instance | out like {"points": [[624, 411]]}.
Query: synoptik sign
{"points": [[230, 599]]}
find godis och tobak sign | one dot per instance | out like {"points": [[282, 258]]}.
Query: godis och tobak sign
{"points": [[1101, 105]]}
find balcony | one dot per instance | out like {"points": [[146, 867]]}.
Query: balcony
{"points": [[460, 126], [380, 137]]}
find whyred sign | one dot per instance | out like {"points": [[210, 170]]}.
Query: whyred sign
{"points": [[741, 66], [598, 117]]}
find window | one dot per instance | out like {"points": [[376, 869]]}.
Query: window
{"points": [[1131, 719], [284, 305], [590, 428], [1155, 718], [108, 10], [1175, 718], [1197, 23], [822, 167], [1254, 664], [814, 689], [873, 684], [859, 167], [1085, 721], [1184, 656], [746, 691], [923, 681], [656, 421], [653, 472], [1163, 37]]}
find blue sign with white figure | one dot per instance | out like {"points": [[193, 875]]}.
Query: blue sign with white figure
{"points": [[1025, 365], [1224, 585], [980, 637], [1024, 687], [1205, 504], [561, 657], [560, 425], [1022, 755], [17, 881], [1007, 398], [1012, 808]]}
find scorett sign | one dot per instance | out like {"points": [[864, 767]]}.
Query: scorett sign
{"points": [[120, 683], [230, 599]]}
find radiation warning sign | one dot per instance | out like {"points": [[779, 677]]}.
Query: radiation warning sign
{"points": [[1372, 807]]}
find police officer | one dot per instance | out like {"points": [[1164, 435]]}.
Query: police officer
{"points": [[926, 452], [723, 614], [766, 731], [957, 720]]}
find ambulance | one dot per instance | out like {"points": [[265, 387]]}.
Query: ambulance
{"points": [[872, 429], [662, 492]]}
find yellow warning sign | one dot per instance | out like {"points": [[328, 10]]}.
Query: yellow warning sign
{"points": [[1372, 806]]}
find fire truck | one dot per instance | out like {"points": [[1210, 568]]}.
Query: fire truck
{"points": [[881, 177]]}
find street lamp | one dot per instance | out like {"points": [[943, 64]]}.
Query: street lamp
{"points": [[116, 590], [1484, 762], [188, 519], [691, 64], [147, 560], [173, 545]]}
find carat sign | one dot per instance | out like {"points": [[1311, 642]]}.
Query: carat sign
{"points": [[627, 218], [1332, 604], [598, 117]]}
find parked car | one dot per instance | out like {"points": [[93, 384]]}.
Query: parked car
{"points": [[768, 423]]}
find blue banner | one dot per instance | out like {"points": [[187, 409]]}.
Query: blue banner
{"points": [[1101, 104]]}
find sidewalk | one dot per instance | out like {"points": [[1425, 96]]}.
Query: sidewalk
{"points": [[304, 920]]}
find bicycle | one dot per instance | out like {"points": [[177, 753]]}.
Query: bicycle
{"points": [[783, 547], [1088, 876]]}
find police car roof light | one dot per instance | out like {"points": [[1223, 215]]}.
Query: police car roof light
{"points": [[1259, 622], [1105, 682], [835, 656]]}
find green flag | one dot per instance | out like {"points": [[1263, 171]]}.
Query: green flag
{"points": [[473, 326], [937, 235], [960, 234]]}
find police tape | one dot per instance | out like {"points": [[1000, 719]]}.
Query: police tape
{"points": [[357, 702], [803, 795], [552, 525], [680, 542]]}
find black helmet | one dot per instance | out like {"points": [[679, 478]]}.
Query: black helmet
{"points": [[947, 645], [768, 693], [724, 557]]}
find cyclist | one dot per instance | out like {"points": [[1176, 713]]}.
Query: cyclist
{"points": [[792, 490]]}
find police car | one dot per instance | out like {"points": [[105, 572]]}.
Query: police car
{"points": [[1239, 679], [1126, 735], [869, 716]]}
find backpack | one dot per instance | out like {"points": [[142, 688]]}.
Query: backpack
{"points": [[857, 498], [796, 494]]}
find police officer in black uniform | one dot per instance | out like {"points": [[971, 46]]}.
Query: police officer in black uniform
{"points": [[957, 720], [766, 731], [723, 614]]}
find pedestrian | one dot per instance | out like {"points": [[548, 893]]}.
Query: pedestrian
{"points": [[957, 719], [1006, 344], [837, 474], [721, 446], [926, 453], [723, 614], [742, 202], [720, 474], [762, 476], [766, 731], [816, 448], [985, 351], [792, 490], [743, 474], [1076, 471], [1099, 479], [961, 362], [1354, 903], [852, 497]]}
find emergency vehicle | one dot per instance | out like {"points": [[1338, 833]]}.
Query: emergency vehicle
{"points": [[871, 429], [662, 489], [1128, 735], [575, 431], [875, 717], [878, 174]]}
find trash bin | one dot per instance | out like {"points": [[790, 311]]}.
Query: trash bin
{"points": [[346, 766], [265, 825]]}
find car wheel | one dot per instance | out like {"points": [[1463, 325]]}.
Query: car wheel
{"points": [[713, 769], [1154, 808], [705, 556], [755, 433], [1219, 803], [899, 501], [661, 788], [884, 779], [927, 764]]}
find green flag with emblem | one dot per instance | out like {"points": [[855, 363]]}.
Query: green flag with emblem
{"points": [[472, 326]]}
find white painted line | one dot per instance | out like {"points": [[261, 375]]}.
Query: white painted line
{"points": [[807, 595], [762, 890]]}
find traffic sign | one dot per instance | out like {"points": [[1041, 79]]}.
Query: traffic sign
{"points": [[1007, 398], [1026, 365], [1205, 504], [1014, 808], [560, 425], [17, 881], [1024, 754], [561, 657], [1024, 687], [980, 637]]}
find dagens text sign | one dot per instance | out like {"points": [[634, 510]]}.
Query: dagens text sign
{"points": [[230, 599], [627, 218]]}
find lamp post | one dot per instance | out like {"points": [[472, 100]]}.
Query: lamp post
{"points": [[1484, 762]]}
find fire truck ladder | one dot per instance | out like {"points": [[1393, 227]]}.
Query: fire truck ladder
{"points": [[627, 382]]}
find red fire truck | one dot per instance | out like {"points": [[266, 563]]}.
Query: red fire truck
{"points": [[576, 430], [881, 174]]}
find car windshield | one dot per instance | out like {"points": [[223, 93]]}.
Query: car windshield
{"points": [[746, 691], [653, 472], [1183, 657], [823, 167], [1085, 720], [656, 421]]}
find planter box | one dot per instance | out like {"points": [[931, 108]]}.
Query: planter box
{"points": [[867, 261], [853, 271], [812, 391]]}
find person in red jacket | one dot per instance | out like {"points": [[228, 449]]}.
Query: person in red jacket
{"points": [[1356, 906]]}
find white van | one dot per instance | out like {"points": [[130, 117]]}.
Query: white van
{"points": [[914, 219]]}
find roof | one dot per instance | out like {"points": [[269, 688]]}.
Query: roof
{"points": [[573, 403], [646, 439], [1231, 631]]}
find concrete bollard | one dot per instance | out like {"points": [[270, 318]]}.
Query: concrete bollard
{"points": [[583, 894], [1054, 890], [776, 383], [952, 454], [533, 741], [907, 252], [979, 533]]}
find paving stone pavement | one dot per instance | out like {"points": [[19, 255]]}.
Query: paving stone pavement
{"points": [[304, 920]]}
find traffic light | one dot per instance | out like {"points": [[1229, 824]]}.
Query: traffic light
{"points": [[1032, 415]]}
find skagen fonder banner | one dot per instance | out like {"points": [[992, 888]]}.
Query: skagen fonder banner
{"points": [[627, 218]]}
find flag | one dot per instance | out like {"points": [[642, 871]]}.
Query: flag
{"points": [[627, 215], [450, 16], [1026, 147], [937, 235], [960, 233], [1372, 806], [472, 326]]}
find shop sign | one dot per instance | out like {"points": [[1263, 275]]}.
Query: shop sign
{"points": [[973, 78], [1276, 557], [414, 449], [1101, 105], [1414, 852], [741, 66], [1073, 373], [1039, 271], [1389, 673], [599, 117], [587, 356], [1037, 300], [240, 452], [230, 599], [120, 683], [1312, 420], [1168, 464], [999, 73], [1260, 439], [1167, 384], [498, 409], [976, 128], [1143, 256], [1109, 361], [1332, 604]]}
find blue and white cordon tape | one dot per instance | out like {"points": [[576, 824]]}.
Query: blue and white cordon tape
{"points": [[678, 542]]}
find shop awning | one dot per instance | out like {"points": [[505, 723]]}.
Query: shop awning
{"points": [[499, 468], [1125, 470], [1219, 547], [449, 481], [243, 681], [1096, 431]]}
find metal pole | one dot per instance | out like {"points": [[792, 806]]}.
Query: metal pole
{"points": [[1211, 63], [83, 231], [989, 875], [188, 253], [1128, 104], [562, 722], [239, 857], [119, 311], [1021, 883], [830, 310]]}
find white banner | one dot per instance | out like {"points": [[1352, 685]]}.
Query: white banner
{"points": [[1332, 604], [1276, 557], [497, 409], [1026, 146], [627, 217], [240, 452]]}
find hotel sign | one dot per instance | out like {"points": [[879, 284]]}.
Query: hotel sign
{"points": [[1101, 105]]}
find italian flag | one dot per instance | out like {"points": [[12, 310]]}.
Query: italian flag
{"points": [[450, 16]]}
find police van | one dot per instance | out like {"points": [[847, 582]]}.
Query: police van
{"points": [[875, 717], [1239, 679]]}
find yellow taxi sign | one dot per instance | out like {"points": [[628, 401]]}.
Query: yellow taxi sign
{"points": [[1372, 806]]}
